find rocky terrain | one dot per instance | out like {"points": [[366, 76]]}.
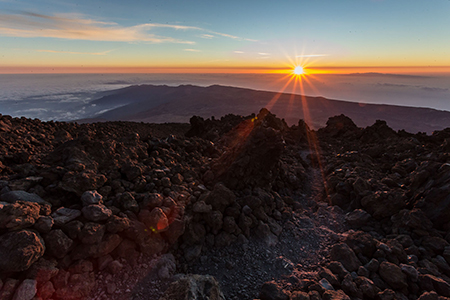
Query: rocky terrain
{"points": [[229, 208]]}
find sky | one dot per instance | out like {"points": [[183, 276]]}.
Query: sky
{"points": [[223, 36]]}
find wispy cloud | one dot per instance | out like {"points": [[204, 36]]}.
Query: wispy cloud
{"points": [[263, 53], [192, 50], [78, 27], [238, 52], [312, 55], [78, 53], [207, 36]]}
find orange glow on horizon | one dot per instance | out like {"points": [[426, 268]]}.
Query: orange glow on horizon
{"points": [[308, 70]]}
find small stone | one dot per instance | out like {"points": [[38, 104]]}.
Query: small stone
{"points": [[9, 287], [343, 253], [92, 233], [325, 284], [114, 267], [410, 271], [104, 261], [111, 287], [64, 215], [58, 243], [26, 290], [44, 224], [165, 181], [91, 197], [96, 212], [46, 290], [201, 207], [392, 275]]}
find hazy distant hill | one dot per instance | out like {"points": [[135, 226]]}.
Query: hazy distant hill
{"points": [[159, 104]]}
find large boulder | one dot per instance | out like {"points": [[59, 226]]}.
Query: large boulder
{"points": [[19, 250], [18, 215], [15, 196]]}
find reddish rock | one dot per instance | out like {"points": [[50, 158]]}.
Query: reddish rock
{"points": [[9, 288]]}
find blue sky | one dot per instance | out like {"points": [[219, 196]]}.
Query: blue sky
{"points": [[212, 34]]}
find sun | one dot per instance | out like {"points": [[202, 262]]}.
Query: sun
{"points": [[298, 70]]}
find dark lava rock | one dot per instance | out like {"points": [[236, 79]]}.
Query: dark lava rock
{"points": [[19, 215], [383, 204], [19, 250], [338, 126], [15, 196], [393, 275], [193, 287], [343, 253], [220, 197], [58, 243], [253, 149], [272, 291]]}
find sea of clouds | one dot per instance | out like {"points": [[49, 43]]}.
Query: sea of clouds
{"points": [[68, 96]]}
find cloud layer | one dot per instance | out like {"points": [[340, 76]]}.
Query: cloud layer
{"points": [[77, 27]]}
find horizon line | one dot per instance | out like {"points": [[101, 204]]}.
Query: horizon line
{"points": [[211, 70]]}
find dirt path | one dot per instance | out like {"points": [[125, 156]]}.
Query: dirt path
{"points": [[302, 246]]}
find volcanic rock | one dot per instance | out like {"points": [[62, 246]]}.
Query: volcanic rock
{"points": [[96, 212], [15, 196], [191, 287], [271, 291], [393, 275], [343, 253], [18, 215], [58, 243], [91, 197], [19, 250], [26, 290], [64, 215]]}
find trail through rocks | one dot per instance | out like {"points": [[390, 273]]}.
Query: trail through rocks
{"points": [[302, 246]]}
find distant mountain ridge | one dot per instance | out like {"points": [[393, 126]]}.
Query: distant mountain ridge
{"points": [[161, 103]]}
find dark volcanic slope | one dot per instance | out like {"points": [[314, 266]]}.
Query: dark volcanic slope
{"points": [[161, 104]]}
